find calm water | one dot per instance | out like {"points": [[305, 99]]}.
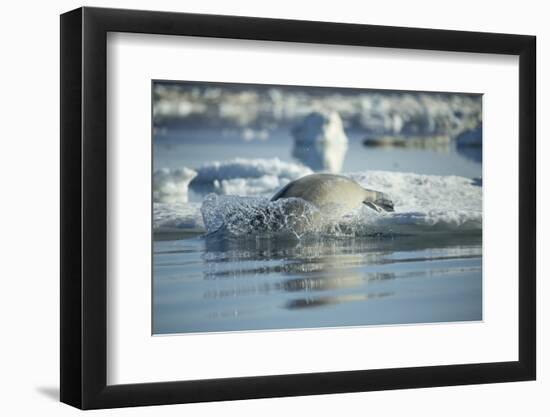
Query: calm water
{"points": [[215, 285], [175, 149], [207, 284]]}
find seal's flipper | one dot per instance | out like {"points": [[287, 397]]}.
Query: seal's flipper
{"points": [[372, 206], [379, 201]]}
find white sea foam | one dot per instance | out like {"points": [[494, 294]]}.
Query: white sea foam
{"points": [[423, 203]]}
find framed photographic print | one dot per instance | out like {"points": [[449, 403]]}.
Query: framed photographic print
{"points": [[256, 207]]}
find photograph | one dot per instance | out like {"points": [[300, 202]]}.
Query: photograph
{"points": [[280, 207]]}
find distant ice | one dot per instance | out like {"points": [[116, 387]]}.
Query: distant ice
{"points": [[320, 141], [257, 109], [249, 134]]}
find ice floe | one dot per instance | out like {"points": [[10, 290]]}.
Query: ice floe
{"points": [[171, 185], [320, 141]]}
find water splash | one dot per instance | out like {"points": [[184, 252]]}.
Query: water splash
{"points": [[423, 204], [253, 216], [238, 216]]}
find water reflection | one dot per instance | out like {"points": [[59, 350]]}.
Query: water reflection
{"points": [[469, 144], [325, 301], [321, 156], [224, 249], [437, 143], [222, 284], [325, 272], [473, 153]]}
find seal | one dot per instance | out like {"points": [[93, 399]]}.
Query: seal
{"points": [[334, 194]]}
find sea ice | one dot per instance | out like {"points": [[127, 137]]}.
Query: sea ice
{"points": [[320, 141], [171, 185]]}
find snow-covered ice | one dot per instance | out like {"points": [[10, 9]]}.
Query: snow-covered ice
{"points": [[171, 185]]}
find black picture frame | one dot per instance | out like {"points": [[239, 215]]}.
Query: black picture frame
{"points": [[84, 207]]}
